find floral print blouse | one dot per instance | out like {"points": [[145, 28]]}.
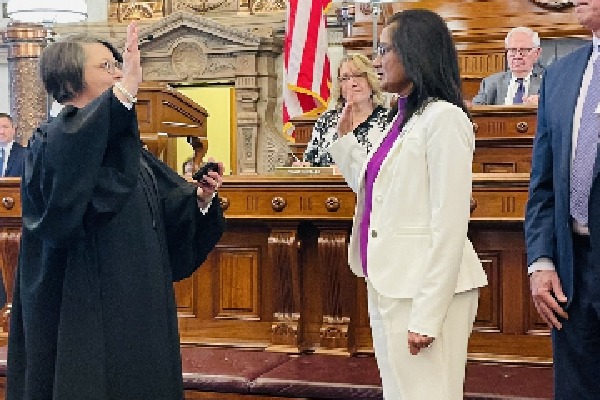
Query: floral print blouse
{"points": [[325, 132]]}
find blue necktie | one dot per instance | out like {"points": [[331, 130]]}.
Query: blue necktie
{"points": [[2, 161], [582, 170], [518, 99]]}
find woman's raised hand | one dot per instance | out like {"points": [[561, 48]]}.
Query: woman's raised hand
{"points": [[345, 121]]}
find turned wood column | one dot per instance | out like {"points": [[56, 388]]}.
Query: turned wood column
{"points": [[338, 289], [28, 99], [10, 238], [286, 329]]}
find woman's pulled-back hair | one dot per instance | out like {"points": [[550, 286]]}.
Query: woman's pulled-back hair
{"points": [[424, 45], [62, 64]]}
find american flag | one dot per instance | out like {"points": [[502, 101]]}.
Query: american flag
{"points": [[307, 76]]}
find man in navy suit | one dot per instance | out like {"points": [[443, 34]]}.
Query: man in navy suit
{"points": [[12, 153], [562, 222]]}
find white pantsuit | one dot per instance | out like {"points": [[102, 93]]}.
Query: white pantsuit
{"points": [[438, 371], [423, 272]]}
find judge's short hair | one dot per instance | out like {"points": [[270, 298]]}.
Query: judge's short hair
{"points": [[62, 64]]}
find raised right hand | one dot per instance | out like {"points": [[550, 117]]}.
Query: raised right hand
{"points": [[546, 290], [132, 69], [345, 121]]}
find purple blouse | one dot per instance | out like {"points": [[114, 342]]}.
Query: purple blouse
{"points": [[373, 167]]}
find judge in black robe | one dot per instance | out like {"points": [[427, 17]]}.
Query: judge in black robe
{"points": [[107, 228]]}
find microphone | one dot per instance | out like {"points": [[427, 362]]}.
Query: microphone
{"points": [[145, 39]]}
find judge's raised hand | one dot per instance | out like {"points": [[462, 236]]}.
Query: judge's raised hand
{"points": [[132, 68], [547, 293], [209, 185]]}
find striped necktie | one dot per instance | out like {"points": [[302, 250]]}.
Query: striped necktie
{"points": [[582, 170], [518, 99]]}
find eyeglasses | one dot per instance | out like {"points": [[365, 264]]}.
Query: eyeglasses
{"points": [[382, 50], [346, 78], [521, 51], [110, 66]]}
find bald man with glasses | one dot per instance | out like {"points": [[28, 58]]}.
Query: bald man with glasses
{"points": [[521, 83]]}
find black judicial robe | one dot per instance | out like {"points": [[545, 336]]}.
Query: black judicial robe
{"points": [[107, 228]]}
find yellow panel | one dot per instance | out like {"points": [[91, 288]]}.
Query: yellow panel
{"points": [[217, 101]]}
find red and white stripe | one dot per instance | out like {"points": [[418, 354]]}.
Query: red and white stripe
{"points": [[306, 64]]}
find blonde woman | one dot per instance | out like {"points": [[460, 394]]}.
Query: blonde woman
{"points": [[357, 84]]}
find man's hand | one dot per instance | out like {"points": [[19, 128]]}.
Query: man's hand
{"points": [[533, 99], [416, 342], [546, 290]]}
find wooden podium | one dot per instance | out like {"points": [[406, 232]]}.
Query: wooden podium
{"points": [[162, 113]]}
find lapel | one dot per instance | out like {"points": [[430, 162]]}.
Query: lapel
{"points": [[503, 88], [534, 85], [405, 130]]}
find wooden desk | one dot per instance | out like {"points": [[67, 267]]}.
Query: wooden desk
{"points": [[503, 137], [279, 277]]}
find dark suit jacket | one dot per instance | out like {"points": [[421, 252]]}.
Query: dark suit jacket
{"points": [[16, 158], [548, 227], [494, 88]]}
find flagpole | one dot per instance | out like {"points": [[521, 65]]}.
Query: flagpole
{"points": [[375, 22]]}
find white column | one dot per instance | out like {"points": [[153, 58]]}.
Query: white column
{"points": [[97, 10]]}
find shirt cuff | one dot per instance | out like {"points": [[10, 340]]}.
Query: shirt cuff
{"points": [[204, 210], [541, 264], [127, 105]]}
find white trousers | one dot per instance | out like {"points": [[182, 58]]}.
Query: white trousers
{"points": [[436, 372]]}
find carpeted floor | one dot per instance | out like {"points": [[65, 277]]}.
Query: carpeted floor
{"points": [[515, 382]]}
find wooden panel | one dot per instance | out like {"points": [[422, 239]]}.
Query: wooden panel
{"points": [[184, 297], [489, 311], [492, 158], [241, 315], [238, 283]]}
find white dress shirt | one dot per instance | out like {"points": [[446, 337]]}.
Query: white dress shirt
{"points": [[512, 89], [7, 148]]}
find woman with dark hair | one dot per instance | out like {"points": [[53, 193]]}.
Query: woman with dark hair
{"points": [[358, 84], [409, 238], [107, 228]]}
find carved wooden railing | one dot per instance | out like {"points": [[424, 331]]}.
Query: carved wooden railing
{"points": [[279, 279], [10, 237]]}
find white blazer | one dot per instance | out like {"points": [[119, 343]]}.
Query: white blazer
{"points": [[418, 247]]}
